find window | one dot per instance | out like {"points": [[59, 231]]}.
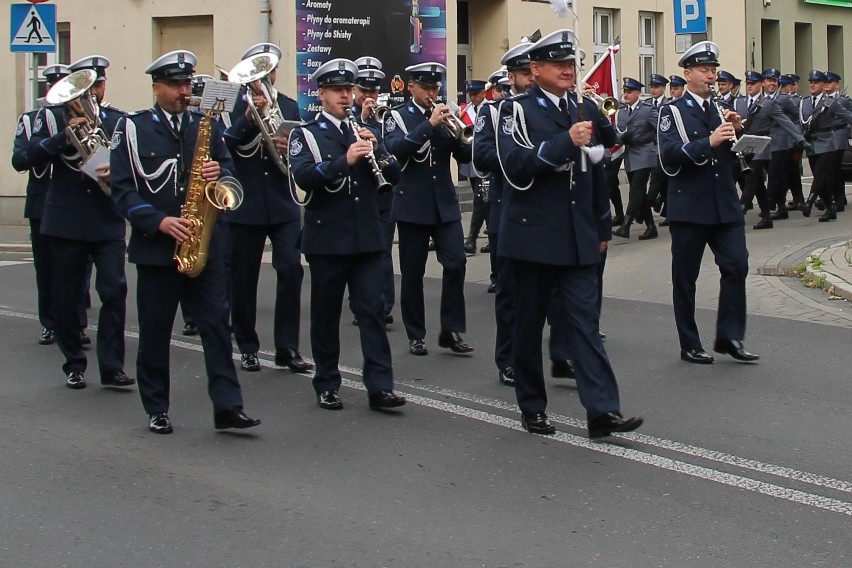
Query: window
{"points": [[42, 60], [603, 35], [647, 46]]}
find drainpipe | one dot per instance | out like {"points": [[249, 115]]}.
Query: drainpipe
{"points": [[265, 17]]}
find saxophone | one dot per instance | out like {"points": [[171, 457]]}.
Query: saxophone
{"points": [[203, 202]]}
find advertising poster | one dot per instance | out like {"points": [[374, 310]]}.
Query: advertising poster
{"points": [[397, 32]]}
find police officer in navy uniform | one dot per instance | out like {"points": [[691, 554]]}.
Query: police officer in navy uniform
{"points": [[840, 106], [676, 87], [83, 222], [151, 160], [426, 204], [267, 211], [555, 224], [38, 182], [368, 83], [475, 89], [343, 239], [637, 130], [703, 207], [658, 182], [485, 159]]}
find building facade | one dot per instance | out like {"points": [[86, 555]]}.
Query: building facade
{"points": [[793, 35]]}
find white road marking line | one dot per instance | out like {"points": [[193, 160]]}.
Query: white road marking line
{"points": [[12, 262], [709, 474]]}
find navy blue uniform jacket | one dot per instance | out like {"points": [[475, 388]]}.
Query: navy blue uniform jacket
{"points": [[76, 207], [702, 191], [426, 194], [267, 199], [143, 147], [564, 215], [38, 179], [342, 216]]}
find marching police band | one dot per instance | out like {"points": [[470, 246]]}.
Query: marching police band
{"points": [[543, 161]]}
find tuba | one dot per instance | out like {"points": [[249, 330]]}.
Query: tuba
{"points": [[73, 91], [204, 200], [253, 72]]}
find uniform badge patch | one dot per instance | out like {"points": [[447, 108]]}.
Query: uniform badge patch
{"points": [[689, 103], [541, 102], [37, 125], [508, 124], [20, 128], [116, 140], [665, 123], [390, 125], [295, 147], [480, 123]]}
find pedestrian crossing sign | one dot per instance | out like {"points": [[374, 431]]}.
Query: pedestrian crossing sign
{"points": [[33, 28]]}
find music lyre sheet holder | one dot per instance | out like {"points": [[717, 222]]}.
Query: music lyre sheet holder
{"points": [[219, 94], [751, 144]]}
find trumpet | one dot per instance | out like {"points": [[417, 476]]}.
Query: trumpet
{"points": [[453, 124], [89, 137], [381, 109], [608, 105], [384, 185]]}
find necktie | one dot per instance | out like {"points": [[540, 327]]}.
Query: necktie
{"points": [[706, 106], [344, 129], [176, 123], [656, 102], [813, 104], [563, 106], [427, 113]]}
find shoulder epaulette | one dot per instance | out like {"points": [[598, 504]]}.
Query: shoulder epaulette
{"points": [[139, 112]]}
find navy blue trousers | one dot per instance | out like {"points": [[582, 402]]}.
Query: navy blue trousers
{"points": [[247, 242], [577, 290], [729, 249], [413, 253], [158, 291], [363, 274], [69, 259]]}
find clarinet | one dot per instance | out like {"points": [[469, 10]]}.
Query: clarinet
{"points": [[745, 169], [384, 185]]}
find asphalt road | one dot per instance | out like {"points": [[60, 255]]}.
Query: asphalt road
{"points": [[737, 465]]}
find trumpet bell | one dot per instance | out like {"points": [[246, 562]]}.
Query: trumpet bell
{"points": [[225, 194], [253, 68], [71, 87], [609, 106]]}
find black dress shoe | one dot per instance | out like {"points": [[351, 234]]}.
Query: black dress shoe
{"points": [[793, 206], [453, 341], [650, 232], [506, 375], [537, 424], [233, 417], [354, 321], [46, 337], [249, 362], [563, 369], [190, 329], [329, 400], [469, 247], [117, 379], [780, 215], [84, 339], [388, 319], [617, 221], [698, 356], [431, 245], [602, 335], [291, 359], [417, 347], [486, 249], [385, 399], [75, 380], [735, 349], [806, 208], [829, 215], [610, 422], [159, 423], [764, 223], [820, 204], [492, 288]]}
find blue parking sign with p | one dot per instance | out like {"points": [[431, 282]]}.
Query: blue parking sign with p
{"points": [[690, 16], [33, 28]]}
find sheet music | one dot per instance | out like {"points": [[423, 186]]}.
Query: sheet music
{"points": [[99, 158], [221, 95], [751, 144]]}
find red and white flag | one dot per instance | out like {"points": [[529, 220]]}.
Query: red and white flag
{"points": [[601, 77]]}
